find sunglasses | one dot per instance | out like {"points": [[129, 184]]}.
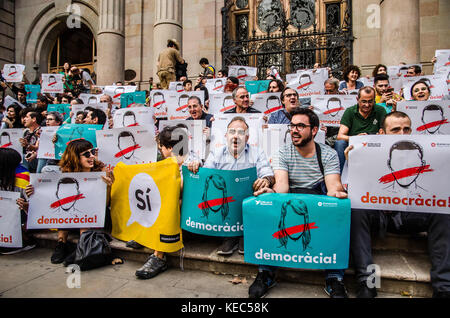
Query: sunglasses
{"points": [[88, 153]]}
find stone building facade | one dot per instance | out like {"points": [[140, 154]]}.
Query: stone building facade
{"points": [[125, 36]]}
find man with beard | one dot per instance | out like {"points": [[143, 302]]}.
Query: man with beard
{"points": [[365, 222], [238, 155], [304, 167]]}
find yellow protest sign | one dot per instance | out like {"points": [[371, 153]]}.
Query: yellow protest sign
{"points": [[145, 204]]}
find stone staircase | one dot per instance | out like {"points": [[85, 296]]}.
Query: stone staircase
{"points": [[403, 260]]}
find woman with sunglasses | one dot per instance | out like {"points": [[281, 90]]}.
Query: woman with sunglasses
{"points": [[52, 119], [79, 156]]}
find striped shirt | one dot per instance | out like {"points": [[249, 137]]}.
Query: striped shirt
{"points": [[305, 172]]}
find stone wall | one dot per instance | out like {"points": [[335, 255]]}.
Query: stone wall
{"points": [[7, 32]]}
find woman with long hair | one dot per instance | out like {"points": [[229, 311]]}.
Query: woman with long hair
{"points": [[79, 156], [12, 118], [14, 178]]}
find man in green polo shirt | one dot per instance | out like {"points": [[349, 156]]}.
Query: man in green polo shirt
{"points": [[363, 118]]}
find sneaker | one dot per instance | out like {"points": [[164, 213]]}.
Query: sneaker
{"points": [[335, 288], [134, 244], [263, 282], [27, 245], [229, 245], [241, 245], [366, 292], [152, 267], [60, 253]]}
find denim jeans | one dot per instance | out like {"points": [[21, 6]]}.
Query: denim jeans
{"points": [[340, 146]]}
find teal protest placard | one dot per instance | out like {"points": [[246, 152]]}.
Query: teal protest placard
{"points": [[297, 230], [69, 132], [63, 109], [130, 99], [212, 200], [255, 87], [32, 93]]}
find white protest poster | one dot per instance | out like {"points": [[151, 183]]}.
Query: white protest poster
{"points": [[427, 117], [9, 138], [444, 74], [13, 73], [367, 81], [436, 83], [220, 103], [134, 116], [197, 139], [10, 223], [309, 83], [67, 200], [400, 173], [158, 102], [9, 101], [442, 60], [116, 91], [291, 77], [330, 108], [46, 148], [275, 136], [267, 103], [81, 107], [215, 85], [220, 124], [130, 145], [90, 98], [242, 73], [52, 83], [177, 104], [400, 69], [176, 86]]}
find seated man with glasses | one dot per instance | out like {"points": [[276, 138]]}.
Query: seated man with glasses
{"points": [[238, 155], [304, 166], [290, 101]]}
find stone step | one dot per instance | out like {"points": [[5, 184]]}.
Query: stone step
{"points": [[402, 273]]}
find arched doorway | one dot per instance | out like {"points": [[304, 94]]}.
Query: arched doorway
{"points": [[76, 46]]}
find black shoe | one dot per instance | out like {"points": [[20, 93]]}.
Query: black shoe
{"points": [[70, 259], [134, 244], [335, 288], [441, 294], [229, 245], [60, 253], [263, 282], [152, 267], [365, 292], [241, 245]]}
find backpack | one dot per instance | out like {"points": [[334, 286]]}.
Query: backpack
{"points": [[93, 250]]}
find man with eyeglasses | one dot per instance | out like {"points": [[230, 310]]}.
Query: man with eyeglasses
{"points": [[289, 99], [238, 155], [298, 170], [242, 101], [364, 118]]}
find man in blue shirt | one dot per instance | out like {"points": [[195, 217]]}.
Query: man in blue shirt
{"points": [[289, 99], [238, 155]]}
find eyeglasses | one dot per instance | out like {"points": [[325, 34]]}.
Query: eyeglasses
{"points": [[290, 95], [88, 153], [240, 132], [299, 127], [49, 119]]}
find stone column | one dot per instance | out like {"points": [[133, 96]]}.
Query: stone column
{"points": [[111, 42], [400, 32], [168, 25]]}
